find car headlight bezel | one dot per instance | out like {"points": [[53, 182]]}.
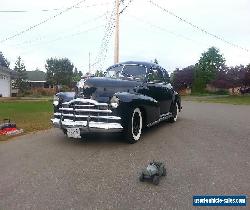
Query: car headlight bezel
{"points": [[114, 102], [56, 100]]}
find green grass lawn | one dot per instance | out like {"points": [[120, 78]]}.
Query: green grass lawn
{"points": [[28, 115], [237, 100]]}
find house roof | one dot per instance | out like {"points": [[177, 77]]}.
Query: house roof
{"points": [[36, 75]]}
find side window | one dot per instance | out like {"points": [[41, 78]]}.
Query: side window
{"points": [[155, 76]]}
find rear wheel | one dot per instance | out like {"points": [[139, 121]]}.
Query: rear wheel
{"points": [[134, 128]]}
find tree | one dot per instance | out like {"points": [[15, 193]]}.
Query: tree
{"points": [[156, 61], [230, 77], [99, 73], [183, 78], [77, 75], [59, 71], [210, 63], [247, 76], [21, 76], [7, 63], [3, 61]]}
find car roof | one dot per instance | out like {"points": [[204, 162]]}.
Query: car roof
{"points": [[146, 64]]}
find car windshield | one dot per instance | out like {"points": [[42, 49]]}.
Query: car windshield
{"points": [[128, 71]]}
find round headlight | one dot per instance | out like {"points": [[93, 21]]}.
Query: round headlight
{"points": [[56, 100], [114, 101]]}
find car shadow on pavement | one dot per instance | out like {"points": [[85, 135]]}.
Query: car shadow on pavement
{"points": [[93, 139], [117, 138]]}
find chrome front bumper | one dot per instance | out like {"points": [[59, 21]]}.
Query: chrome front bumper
{"points": [[88, 126]]}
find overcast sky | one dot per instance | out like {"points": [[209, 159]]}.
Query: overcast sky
{"points": [[146, 32]]}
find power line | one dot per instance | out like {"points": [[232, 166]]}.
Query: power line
{"points": [[65, 37], [44, 21], [128, 4], [109, 29], [197, 27], [76, 26], [163, 29], [50, 10]]}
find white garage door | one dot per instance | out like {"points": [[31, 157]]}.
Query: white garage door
{"points": [[4, 85]]}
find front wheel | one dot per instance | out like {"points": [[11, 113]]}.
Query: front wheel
{"points": [[134, 128], [156, 180], [141, 178], [164, 171], [174, 111]]}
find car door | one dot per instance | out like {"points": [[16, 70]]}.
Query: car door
{"points": [[158, 89]]}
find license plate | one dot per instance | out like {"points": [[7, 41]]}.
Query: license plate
{"points": [[73, 133]]}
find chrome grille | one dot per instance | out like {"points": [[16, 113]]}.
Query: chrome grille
{"points": [[86, 110]]}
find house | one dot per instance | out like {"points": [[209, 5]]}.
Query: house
{"points": [[212, 88], [5, 82], [185, 91], [5, 77], [37, 79]]}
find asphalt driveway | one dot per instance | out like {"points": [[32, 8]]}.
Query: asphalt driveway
{"points": [[206, 152]]}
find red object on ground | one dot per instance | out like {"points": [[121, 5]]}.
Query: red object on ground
{"points": [[5, 131]]}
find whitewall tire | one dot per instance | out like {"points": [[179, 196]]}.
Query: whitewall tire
{"points": [[134, 129], [174, 112]]}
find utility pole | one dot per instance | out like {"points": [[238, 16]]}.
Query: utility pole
{"points": [[116, 50], [89, 62]]}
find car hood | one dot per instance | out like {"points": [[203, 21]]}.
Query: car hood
{"points": [[102, 88]]}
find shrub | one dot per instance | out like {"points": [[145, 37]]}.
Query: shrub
{"points": [[38, 92]]}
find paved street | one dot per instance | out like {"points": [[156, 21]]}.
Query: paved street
{"points": [[206, 152]]}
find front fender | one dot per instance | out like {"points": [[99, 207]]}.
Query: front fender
{"points": [[126, 97], [128, 101], [177, 99]]}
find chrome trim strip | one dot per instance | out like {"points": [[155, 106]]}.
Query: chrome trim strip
{"points": [[162, 118], [101, 117], [94, 110], [66, 109], [86, 110], [91, 105], [71, 123], [92, 116], [85, 101], [105, 126], [68, 115]]}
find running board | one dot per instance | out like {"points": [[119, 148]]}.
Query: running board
{"points": [[162, 118]]}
